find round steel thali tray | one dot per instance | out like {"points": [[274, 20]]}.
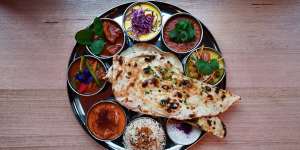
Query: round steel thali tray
{"points": [[81, 105]]}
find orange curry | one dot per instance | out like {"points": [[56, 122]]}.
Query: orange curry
{"points": [[106, 120]]}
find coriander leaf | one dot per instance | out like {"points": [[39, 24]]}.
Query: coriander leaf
{"points": [[98, 28], [183, 35], [172, 34], [183, 32], [207, 68], [182, 24], [203, 67], [191, 33], [84, 36], [214, 64], [97, 46]]}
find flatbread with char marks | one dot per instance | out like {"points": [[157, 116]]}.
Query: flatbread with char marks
{"points": [[150, 84]]}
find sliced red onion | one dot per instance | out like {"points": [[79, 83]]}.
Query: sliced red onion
{"points": [[141, 23]]}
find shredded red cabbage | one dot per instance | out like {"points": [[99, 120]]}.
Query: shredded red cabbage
{"points": [[141, 23]]}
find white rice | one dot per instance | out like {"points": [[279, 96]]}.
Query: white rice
{"points": [[130, 135]]}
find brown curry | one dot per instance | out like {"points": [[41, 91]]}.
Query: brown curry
{"points": [[186, 46]]}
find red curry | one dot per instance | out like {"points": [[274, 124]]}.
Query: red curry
{"points": [[86, 87], [114, 38]]}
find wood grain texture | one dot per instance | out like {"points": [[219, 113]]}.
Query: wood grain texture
{"points": [[259, 40]]}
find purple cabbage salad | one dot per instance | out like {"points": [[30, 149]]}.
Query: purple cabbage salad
{"points": [[141, 23]]}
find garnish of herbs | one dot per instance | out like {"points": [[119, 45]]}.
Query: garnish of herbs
{"points": [[85, 36], [206, 67], [183, 32]]}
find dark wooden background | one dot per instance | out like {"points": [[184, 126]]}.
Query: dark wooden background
{"points": [[260, 41]]}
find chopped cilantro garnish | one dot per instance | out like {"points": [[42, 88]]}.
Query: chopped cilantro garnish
{"points": [[204, 67], [183, 32], [207, 68]]}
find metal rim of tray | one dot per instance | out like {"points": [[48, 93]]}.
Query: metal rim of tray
{"points": [[116, 13]]}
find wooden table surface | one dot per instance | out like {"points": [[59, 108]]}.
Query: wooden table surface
{"points": [[260, 41]]}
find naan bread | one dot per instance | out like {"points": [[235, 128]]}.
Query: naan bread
{"points": [[213, 125], [144, 49], [152, 85]]}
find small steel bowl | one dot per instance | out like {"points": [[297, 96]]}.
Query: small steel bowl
{"points": [[209, 49], [103, 84], [187, 15], [123, 44], [100, 102], [130, 7], [160, 126], [199, 138]]}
